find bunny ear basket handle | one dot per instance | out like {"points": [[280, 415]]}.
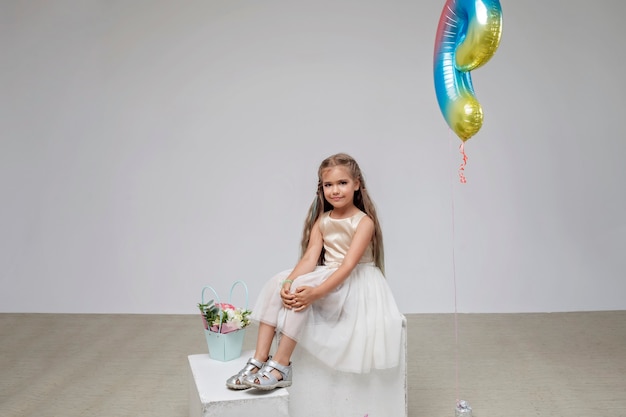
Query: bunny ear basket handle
{"points": [[208, 287], [217, 301], [245, 287]]}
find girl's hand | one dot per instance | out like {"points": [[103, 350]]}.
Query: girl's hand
{"points": [[286, 295], [304, 297]]}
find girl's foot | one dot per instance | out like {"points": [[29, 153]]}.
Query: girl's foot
{"points": [[237, 381], [265, 378]]}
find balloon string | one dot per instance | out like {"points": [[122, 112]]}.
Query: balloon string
{"points": [[456, 314], [456, 320], [462, 166]]}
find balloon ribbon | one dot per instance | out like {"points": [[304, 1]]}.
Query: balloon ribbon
{"points": [[462, 166]]}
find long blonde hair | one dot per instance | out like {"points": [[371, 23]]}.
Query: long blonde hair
{"points": [[362, 200]]}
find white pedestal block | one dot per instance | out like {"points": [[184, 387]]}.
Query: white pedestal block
{"points": [[318, 390], [209, 396]]}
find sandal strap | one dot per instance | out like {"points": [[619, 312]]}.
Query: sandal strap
{"points": [[256, 364], [250, 365], [272, 364], [266, 377]]}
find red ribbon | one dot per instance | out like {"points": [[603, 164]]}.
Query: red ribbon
{"points": [[462, 166]]}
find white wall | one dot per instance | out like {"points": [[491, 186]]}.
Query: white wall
{"points": [[151, 147]]}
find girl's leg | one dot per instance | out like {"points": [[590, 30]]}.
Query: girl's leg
{"points": [[294, 321], [264, 342], [286, 347]]}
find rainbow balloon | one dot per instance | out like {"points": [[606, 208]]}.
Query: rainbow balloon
{"points": [[468, 35]]}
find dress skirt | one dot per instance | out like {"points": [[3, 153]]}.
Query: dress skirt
{"points": [[355, 328]]}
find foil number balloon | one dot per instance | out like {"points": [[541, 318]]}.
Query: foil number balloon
{"points": [[468, 35]]}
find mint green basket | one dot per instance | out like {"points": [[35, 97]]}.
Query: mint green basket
{"points": [[225, 346]]}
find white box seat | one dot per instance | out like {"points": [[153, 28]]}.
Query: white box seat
{"points": [[209, 397], [316, 390]]}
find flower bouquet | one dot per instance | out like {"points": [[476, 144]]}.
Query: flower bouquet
{"points": [[224, 325], [223, 317]]}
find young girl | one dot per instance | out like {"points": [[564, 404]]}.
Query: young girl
{"points": [[335, 302]]}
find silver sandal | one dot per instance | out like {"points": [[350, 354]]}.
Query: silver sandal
{"points": [[237, 381], [267, 381]]}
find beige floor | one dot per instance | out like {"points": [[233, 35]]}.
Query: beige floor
{"points": [[509, 365]]}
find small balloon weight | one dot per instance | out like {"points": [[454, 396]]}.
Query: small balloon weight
{"points": [[463, 409]]}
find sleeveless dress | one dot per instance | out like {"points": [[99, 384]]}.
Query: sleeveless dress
{"points": [[355, 328]]}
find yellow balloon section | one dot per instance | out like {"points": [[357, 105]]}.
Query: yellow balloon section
{"points": [[466, 116]]}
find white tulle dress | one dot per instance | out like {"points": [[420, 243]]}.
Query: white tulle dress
{"points": [[355, 328]]}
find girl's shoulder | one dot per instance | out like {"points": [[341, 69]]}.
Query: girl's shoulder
{"points": [[359, 216]]}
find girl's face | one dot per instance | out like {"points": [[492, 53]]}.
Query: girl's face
{"points": [[339, 187]]}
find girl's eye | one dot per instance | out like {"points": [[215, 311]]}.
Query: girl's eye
{"points": [[343, 182]]}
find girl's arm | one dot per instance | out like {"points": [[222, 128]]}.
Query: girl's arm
{"points": [[306, 264], [305, 296]]}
